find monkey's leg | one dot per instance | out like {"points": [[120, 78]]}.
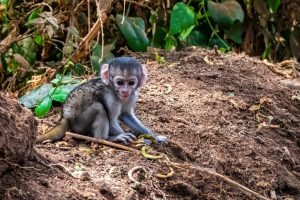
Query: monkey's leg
{"points": [[93, 120]]}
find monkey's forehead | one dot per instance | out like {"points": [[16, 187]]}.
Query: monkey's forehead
{"points": [[124, 71]]}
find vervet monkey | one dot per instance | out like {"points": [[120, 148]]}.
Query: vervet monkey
{"points": [[95, 107]]}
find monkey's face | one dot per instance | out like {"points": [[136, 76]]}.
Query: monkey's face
{"points": [[125, 86]]}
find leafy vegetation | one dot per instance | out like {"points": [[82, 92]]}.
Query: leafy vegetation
{"points": [[38, 38]]}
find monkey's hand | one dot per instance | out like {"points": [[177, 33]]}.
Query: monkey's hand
{"points": [[161, 138], [125, 138], [158, 138]]}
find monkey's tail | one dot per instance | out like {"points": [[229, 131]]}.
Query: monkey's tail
{"points": [[54, 134]]}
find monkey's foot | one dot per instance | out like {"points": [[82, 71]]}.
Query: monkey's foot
{"points": [[123, 137]]}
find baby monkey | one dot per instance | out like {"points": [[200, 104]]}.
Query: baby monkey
{"points": [[95, 107]]}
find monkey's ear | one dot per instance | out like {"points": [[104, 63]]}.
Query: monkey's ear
{"points": [[144, 76], [105, 74]]}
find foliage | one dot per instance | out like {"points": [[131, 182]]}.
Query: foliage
{"points": [[37, 38], [133, 29], [42, 98]]}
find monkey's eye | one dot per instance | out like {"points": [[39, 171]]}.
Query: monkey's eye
{"points": [[120, 83], [131, 83]]}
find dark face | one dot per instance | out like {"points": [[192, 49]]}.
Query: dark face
{"points": [[125, 86]]}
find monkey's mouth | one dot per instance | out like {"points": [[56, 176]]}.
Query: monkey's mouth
{"points": [[124, 97]]}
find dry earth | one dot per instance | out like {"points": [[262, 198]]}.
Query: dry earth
{"points": [[229, 113]]}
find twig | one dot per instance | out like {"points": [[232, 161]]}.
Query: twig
{"points": [[101, 141], [228, 180], [83, 47]]}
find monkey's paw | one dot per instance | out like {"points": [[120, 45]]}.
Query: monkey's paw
{"points": [[124, 138]]}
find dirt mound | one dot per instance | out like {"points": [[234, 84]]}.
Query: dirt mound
{"points": [[18, 129], [229, 113]]}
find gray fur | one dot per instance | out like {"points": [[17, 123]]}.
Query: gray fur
{"points": [[94, 107]]}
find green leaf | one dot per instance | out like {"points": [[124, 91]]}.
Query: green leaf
{"points": [[43, 107], [67, 79], [197, 38], [39, 40], [235, 32], [60, 97], [274, 5], [226, 13], [171, 43], [78, 69], [158, 37], [30, 100], [96, 55], [133, 29], [183, 20], [33, 15]]}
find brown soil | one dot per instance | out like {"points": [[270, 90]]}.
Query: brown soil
{"points": [[231, 115], [18, 129]]}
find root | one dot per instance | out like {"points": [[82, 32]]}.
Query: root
{"points": [[131, 171], [224, 178], [43, 161]]}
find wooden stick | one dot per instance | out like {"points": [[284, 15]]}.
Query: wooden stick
{"points": [[101, 141]]}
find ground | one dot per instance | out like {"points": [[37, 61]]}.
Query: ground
{"points": [[228, 113]]}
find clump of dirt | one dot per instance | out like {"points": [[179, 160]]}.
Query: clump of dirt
{"points": [[18, 129], [227, 113]]}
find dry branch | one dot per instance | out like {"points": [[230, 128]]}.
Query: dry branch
{"points": [[84, 45], [101, 141]]}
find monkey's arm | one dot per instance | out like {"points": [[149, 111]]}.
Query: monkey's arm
{"points": [[54, 134], [136, 126], [117, 134]]}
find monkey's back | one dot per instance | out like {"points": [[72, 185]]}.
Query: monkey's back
{"points": [[83, 96]]}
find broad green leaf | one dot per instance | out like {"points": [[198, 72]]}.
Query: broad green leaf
{"points": [[60, 97], [133, 29], [274, 5], [43, 107], [171, 43], [33, 15], [197, 38], [97, 50], [39, 40], [226, 13], [235, 32], [183, 19], [78, 69], [30, 100], [186, 32], [158, 37], [96, 55]]}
